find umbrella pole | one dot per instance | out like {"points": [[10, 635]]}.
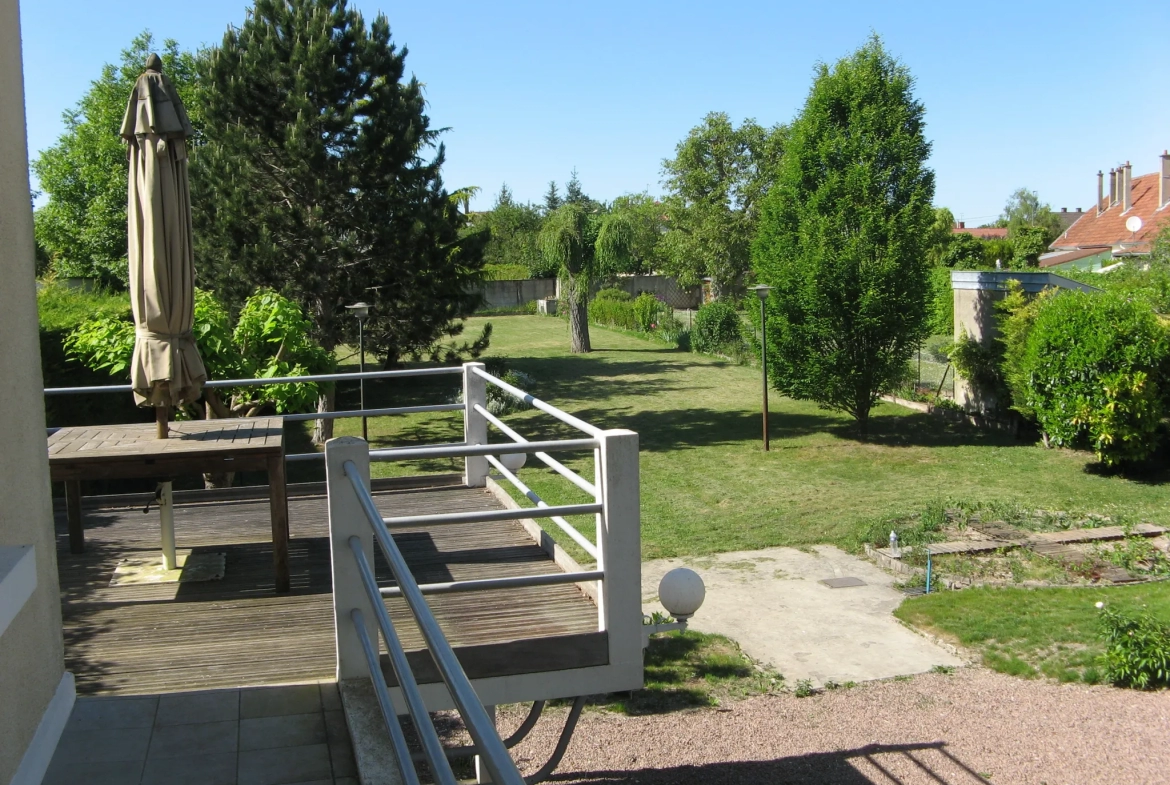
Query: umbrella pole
{"points": [[162, 414]]}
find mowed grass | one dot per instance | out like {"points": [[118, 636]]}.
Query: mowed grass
{"points": [[707, 486], [1053, 632]]}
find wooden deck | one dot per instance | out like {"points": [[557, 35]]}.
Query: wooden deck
{"points": [[238, 632]]}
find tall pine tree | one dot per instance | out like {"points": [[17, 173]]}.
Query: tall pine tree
{"points": [[844, 234], [320, 177]]}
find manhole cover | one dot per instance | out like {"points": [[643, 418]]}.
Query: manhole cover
{"points": [[842, 583]]}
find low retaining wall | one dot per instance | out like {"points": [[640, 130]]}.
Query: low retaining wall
{"points": [[516, 293]]}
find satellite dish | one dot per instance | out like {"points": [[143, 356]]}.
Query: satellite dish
{"points": [[1133, 223]]}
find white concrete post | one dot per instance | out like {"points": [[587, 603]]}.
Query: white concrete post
{"points": [[620, 546], [166, 519], [475, 467], [347, 519]]}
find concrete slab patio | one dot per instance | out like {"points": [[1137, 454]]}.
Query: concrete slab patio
{"points": [[772, 604], [283, 735]]}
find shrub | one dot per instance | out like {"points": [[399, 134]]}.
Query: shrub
{"points": [[613, 307], [647, 310], [506, 272], [1137, 652], [1092, 370], [717, 330]]}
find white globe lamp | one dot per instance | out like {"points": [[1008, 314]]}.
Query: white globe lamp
{"points": [[681, 592], [513, 461]]}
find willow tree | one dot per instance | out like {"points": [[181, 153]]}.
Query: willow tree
{"points": [[584, 244], [568, 240]]}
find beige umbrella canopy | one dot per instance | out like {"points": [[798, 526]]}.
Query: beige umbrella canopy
{"points": [[166, 369]]}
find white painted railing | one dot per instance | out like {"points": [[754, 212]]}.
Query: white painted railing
{"points": [[355, 525]]}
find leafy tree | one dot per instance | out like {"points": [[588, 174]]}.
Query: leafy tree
{"points": [[1025, 210], [1027, 245], [514, 229], [715, 182], [942, 234], [568, 240], [320, 178], [843, 236], [630, 237], [82, 228], [964, 252], [552, 199]]}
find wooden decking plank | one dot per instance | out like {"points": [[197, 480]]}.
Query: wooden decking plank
{"points": [[138, 639]]}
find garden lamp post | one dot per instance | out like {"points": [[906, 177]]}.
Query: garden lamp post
{"points": [[762, 292], [362, 312]]}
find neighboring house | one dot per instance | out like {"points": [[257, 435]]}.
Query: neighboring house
{"points": [[1100, 237], [981, 232]]}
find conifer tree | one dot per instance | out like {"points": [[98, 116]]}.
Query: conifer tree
{"points": [[552, 199], [843, 237], [320, 177]]}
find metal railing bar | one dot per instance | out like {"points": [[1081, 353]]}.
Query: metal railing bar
{"points": [[488, 516], [316, 456], [324, 377], [437, 407], [549, 461], [565, 526], [424, 727], [511, 582], [397, 739], [481, 727], [536, 403], [463, 451]]}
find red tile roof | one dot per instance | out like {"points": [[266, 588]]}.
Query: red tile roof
{"points": [[983, 233], [1108, 228]]}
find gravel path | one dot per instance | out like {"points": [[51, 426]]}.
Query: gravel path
{"points": [[967, 727]]}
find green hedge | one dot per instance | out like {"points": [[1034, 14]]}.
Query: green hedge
{"points": [[1093, 369], [718, 330], [614, 308]]}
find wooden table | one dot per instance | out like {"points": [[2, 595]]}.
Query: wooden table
{"points": [[107, 452]]}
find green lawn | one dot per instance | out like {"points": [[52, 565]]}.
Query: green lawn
{"points": [[706, 484], [1027, 632]]}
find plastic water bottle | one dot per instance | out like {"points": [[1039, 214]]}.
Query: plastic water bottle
{"points": [[895, 551]]}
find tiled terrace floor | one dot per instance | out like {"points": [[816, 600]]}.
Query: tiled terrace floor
{"points": [[286, 735]]}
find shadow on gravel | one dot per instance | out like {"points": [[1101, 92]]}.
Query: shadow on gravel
{"points": [[897, 763]]}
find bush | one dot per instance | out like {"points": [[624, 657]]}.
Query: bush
{"points": [[1137, 650], [717, 330], [506, 272], [614, 308], [647, 309], [1092, 370]]}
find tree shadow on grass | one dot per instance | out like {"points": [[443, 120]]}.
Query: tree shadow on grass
{"points": [[1152, 472], [897, 429]]}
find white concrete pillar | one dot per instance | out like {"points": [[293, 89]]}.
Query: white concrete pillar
{"points": [[475, 467], [619, 542], [347, 519]]}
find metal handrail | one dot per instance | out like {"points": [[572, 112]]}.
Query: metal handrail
{"points": [[565, 526], [432, 747], [548, 460], [463, 451], [536, 403], [482, 729], [489, 516], [509, 582], [324, 377], [434, 407]]}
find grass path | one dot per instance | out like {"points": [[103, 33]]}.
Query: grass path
{"points": [[706, 484]]}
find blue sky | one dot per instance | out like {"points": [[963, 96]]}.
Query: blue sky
{"points": [[1017, 94]]}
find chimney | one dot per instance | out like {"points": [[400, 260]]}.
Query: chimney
{"points": [[1064, 209], [1127, 188], [1164, 181], [1100, 191], [1112, 187], [962, 224]]}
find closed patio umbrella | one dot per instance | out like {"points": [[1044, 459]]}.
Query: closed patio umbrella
{"points": [[166, 369]]}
